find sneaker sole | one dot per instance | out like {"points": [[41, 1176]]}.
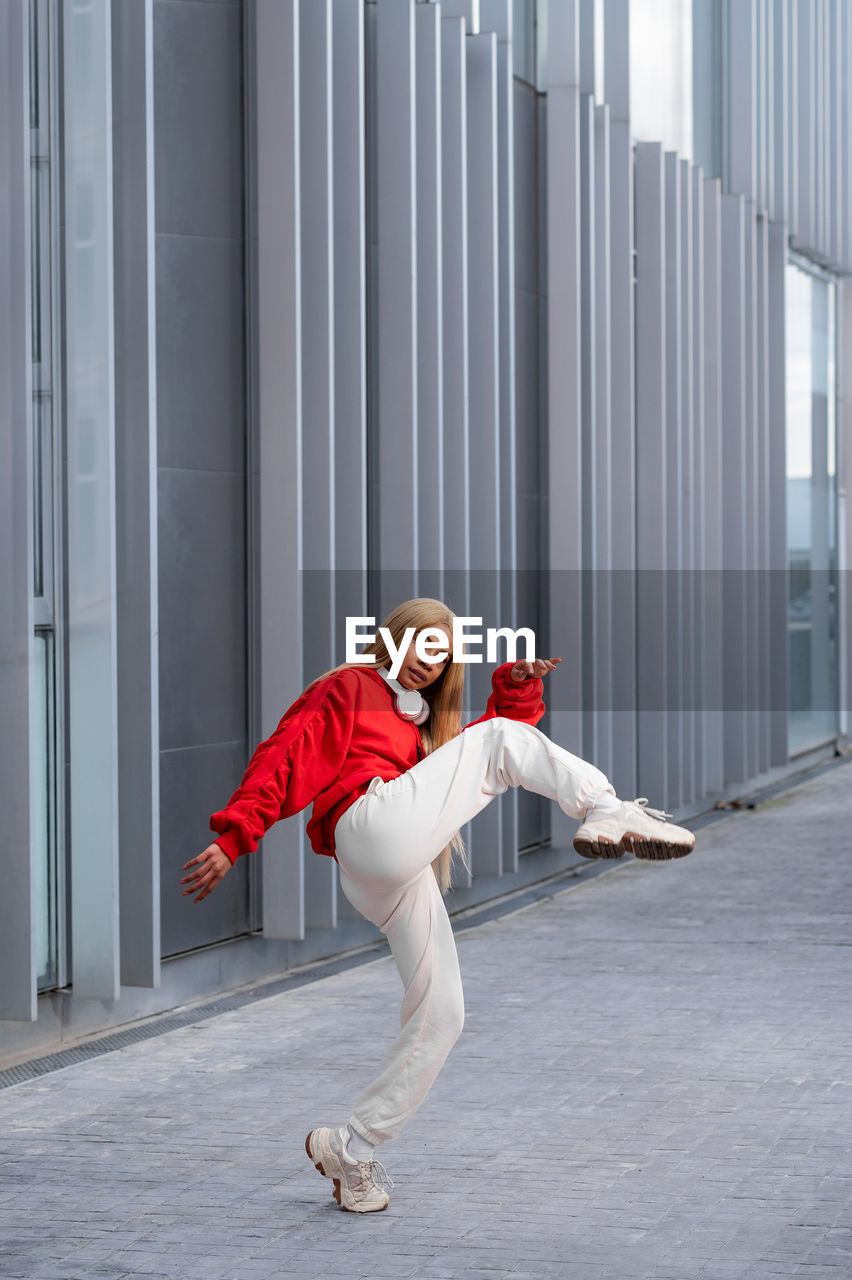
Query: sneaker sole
{"points": [[641, 846], [336, 1193]]}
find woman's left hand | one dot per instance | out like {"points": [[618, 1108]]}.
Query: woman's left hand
{"points": [[526, 670]]}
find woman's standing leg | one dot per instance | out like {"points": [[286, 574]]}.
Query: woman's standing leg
{"points": [[421, 939], [418, 928]]}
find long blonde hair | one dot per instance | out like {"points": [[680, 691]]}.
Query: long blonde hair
{"points": [[444, 697]]}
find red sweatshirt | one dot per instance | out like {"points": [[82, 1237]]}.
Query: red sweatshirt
{"points": [[336, 737]]}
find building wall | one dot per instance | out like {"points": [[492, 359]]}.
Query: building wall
{"points": [[388, 318]]}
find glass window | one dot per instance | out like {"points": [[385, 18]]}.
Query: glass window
{"points": [[44, 236], [811, 391], [43, 792], [661, 73]]}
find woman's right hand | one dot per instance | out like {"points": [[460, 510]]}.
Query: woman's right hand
{"points": [[208, 869]]}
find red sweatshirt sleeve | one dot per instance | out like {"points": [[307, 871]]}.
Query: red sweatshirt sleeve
{"points": [[519, 700], [291, 767]]}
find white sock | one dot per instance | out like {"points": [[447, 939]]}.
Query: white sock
{"points": [[607, 801], [359, 1148]]}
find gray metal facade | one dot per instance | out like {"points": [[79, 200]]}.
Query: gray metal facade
{"points": [[351, 306]]}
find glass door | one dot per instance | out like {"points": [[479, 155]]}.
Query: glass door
{"points": [[811, 373]]}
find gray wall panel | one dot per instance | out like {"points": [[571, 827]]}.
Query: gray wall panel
{"points": [[350, 330], [792, 93], [652, 431], [430, 345], [713, 560], [707, 88], [563, 449], [674, 441], [201, 399], [484, 372], [698, 503], [455, 330], [804, 70], [496, 16], [688, 484], [396, 516], [526, 193], [742, 100], [780, 112], [751, 482], [735, 475], [196, 192], [275, 296], [587, 48], [623, 460], [136, 495], [770, 122], [319, 624], [616, 38], [349, 313], [526, 344], [533, 810], [763, 496], [765, 154], [201, 409], [589, 407], [603, 742], [835, 163], [543, 364]]}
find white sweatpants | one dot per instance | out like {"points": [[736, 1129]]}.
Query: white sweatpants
{"points": [[385, 843]]}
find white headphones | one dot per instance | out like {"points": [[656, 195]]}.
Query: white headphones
{"points": [[410, 704]]}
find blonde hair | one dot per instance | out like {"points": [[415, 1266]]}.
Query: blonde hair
{"points": [[444, 697]]}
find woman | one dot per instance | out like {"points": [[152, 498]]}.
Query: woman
{"points": [[393, 777]]}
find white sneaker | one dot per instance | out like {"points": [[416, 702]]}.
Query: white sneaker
{"points": [[355, 1185], [632, 828]]}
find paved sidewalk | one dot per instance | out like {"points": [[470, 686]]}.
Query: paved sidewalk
{"points": [[654, 1080]]}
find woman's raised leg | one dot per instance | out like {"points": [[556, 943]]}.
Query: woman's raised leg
{"points": [[394, 832]]}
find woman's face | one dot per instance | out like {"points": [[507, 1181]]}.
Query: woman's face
{"points": [[417, 673]]}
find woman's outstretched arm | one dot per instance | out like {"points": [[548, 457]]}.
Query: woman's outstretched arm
{"points": [[516, 690], [286, 773]]}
